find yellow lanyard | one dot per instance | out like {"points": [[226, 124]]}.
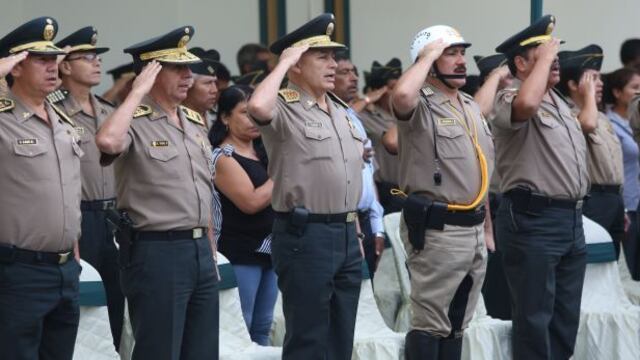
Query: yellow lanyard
{"points": [[484, 169]]}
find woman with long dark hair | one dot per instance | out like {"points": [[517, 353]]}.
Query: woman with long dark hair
{"points": [[620, 87], [245, 189]]}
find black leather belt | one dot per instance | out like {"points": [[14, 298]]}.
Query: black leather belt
{"points": [[527, 201], [614, 189], [12, 253], [465, 218], [347, 217], [98, 205], [171, 235]]}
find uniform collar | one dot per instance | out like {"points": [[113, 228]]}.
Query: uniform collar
{"points": [[157, 111], [21, 112], [306, 100], [440, 98]]}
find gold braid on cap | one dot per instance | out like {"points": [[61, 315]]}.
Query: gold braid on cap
{"points": [[164, 52], [318, 40], [32, 45]]}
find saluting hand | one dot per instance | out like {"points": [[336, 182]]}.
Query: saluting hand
{"points": [[375, 95], [548, 50], [433, 50], [291, 55], [7, 63], [144, 81], [587, 85]]}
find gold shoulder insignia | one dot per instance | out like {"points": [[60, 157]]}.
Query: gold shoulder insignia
{"points": [[427, 91], [142, 110], [289, 95], [6, 104], [335, 98], [62, 115], [57, 96], [192, 115]]}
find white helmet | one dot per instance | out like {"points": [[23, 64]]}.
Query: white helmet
{"points": [[448, 34]]}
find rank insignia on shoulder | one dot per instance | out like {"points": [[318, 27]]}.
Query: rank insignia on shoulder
{"points": [[427, 91], [57, 96], [62, 115], [142, 110], [192, 116], [289, 95], [446, 121], [159, 143], [6, 104]]}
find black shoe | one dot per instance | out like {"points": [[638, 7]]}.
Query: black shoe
{"points": [[419, 345], [450, 349]]}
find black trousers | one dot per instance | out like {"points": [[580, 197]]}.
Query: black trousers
{"points": [[98, 249], [631, 245], [368, 244], [39, 311], [172, 290], [319, 275], [544, 258], [495, 289], [607, 209]]}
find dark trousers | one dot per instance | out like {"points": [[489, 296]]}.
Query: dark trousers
{"points": [[389, 202], [607, 209], [631, 246], [98, 249], [544, 258], [495, 289], [368, 244], [172, 291], [39, 311], [319, 275]]}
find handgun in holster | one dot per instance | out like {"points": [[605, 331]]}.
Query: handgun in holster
{"points": [[297, 221], [415, 211], [123, 226]]}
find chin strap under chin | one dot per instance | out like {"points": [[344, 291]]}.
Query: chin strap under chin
{"points": [[443, 77]]}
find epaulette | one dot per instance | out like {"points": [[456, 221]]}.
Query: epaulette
{"points": [[57, 96], [104, 100], [6, 104], [62, 115], [192, 115], [142, 110], [426, 91], [289, 95], [335, 98]]}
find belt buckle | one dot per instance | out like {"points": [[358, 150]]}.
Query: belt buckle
{"points": [[351, 216], [108, 204], [63, 257], [579, 204], [197, 233]]}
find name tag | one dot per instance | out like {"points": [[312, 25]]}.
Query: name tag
{"points": [[545, 114], [447, 122], [313, 124], [159, 143], [27, 141]]}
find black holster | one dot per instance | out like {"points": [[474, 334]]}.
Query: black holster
{"points": [[297, 221], [124, 233], [420, 214]]}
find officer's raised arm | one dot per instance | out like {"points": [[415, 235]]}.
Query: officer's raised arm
{"points": [[404, 98], [112, 136], [533, 88], [262, 104]]}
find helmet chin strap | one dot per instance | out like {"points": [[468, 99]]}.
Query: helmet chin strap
{"points": [[443, 77]]}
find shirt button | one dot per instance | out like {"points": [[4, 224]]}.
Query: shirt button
{"points": [[348, 181]]}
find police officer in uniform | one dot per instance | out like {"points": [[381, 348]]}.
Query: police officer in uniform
{"points": [[580, 83], [163, 182], [315, 161], [203, 95], [542, 160], [40, 202], [446, 159], [80, 71]]}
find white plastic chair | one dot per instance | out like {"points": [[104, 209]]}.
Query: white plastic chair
{"points": [[94, 340], [609, 323]]}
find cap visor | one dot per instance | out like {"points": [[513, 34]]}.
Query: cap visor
{"points": [[329, 45], [181, 58], [46, 50]]}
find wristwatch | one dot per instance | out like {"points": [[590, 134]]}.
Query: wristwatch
{"points": [[380, 234]]}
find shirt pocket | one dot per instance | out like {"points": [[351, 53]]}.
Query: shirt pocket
{"points": [[547, 120], [318, 142], [31, 162], [164, 162], [451, 142]]}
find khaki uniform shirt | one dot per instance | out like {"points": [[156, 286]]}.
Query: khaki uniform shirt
{"points": [[315, 157], [458, 162], [546, 153], [39, 178], [98, 182], [604, 160], [163, 179], [377, 122]]}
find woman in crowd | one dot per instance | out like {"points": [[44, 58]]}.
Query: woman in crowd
{"points": [[620, 87], [245, 197]]}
